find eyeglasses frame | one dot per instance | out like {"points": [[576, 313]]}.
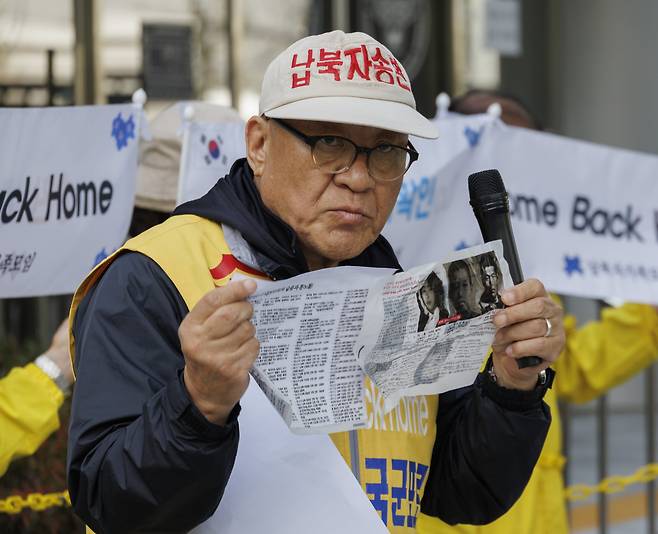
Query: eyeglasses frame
{"points": [[312, 140]]}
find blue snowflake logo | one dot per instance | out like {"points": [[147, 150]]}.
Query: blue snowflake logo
{"points": [[122, 130], [100, 256], [572, 265], [472, 136]]}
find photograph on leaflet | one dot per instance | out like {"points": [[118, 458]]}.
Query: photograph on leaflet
{"points": [[473, 286]]}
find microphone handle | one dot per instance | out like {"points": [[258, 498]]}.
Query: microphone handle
{"points": [[499, 226]]}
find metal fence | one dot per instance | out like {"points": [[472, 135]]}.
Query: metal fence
{"points": [[31, 322]]}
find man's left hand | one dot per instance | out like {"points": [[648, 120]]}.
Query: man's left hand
{"points": [[521, 331]]}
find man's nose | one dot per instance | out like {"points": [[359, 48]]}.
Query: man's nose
{"points": [[356, 177]]}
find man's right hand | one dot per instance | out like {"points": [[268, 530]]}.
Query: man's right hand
{"points": [[219, 345]]}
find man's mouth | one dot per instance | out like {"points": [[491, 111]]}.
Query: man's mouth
{"points": [[349, 214]]}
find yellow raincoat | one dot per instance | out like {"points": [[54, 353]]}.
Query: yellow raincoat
{"points": [[29, 401], [597, 357]]}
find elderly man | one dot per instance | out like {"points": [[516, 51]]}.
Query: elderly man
{"points": [[163, 343]]}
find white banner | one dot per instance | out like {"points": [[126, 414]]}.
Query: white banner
{"points": [[410, 222], [457, 133], [67, 184], [585, 216], [209, 150]]}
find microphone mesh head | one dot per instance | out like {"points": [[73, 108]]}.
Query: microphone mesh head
{"points": [[485, 183]]}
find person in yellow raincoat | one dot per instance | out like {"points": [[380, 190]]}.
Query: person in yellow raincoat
{"points": [[597, 357], [30, 398]]}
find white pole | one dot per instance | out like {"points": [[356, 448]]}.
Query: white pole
{"points": [[188, 117]]}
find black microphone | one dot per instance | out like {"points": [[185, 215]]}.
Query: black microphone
{"points": [[490, 204]]}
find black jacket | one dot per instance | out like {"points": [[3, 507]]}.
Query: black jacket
{"points": [[142, 458]]}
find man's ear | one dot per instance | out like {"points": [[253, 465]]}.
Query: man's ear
{"points": [[256, 139]]}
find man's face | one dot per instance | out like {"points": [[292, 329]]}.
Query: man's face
{"points": [[490, 279], [460, 291], [336, 216]]}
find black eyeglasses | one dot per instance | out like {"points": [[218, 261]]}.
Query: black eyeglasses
{"points": [[335, 154]]}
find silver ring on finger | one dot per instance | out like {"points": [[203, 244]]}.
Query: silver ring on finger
{"points": [[549, 328]]}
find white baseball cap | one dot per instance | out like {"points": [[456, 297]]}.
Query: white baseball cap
{"points": [[342, 77]]}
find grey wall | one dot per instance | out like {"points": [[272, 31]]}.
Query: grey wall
{"points": [[604, 71], [527, 76]]}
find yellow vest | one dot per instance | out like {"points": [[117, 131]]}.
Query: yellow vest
{"points": [[390, 458]]}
